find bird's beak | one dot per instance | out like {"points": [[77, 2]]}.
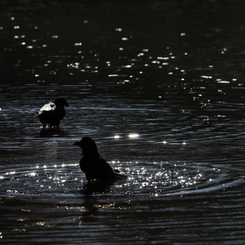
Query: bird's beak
{"points": [[78, 143]]}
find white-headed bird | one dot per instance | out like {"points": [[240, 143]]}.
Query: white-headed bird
{"points": [[52, 113]]}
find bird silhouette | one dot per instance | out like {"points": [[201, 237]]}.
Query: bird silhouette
{"points": [[93, 165], [52, 113]]}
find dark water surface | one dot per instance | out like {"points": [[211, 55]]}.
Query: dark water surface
{"points": [[160, 87]]}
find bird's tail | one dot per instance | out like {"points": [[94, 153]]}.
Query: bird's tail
{"points": [[119, 176]]}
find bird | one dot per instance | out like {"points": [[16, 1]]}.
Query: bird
{"points": [[52, 112], [93, 164]]}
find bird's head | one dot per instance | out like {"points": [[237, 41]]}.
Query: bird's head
{"points": [[61, 101], [88, 146]]}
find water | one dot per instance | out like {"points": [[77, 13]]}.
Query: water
{"points": [[159, 87]]}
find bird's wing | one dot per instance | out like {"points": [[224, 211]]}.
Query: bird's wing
{"points": [[47, 108], [96, 168]]}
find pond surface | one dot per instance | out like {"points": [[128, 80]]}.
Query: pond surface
{"points": [[160, 87]]}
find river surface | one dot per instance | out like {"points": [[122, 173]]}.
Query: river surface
{"points": [[159, 86]]}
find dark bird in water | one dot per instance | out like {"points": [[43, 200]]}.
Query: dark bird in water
{"points": [[52, 113], [93, 165]]}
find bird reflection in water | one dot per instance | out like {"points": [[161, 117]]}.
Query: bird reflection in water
{"points": [[96, 186], [52, 132], [91, 204]]}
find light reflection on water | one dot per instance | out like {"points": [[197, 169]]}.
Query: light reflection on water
{"points": [[164, 100], [152, 178], [167, 161]]}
